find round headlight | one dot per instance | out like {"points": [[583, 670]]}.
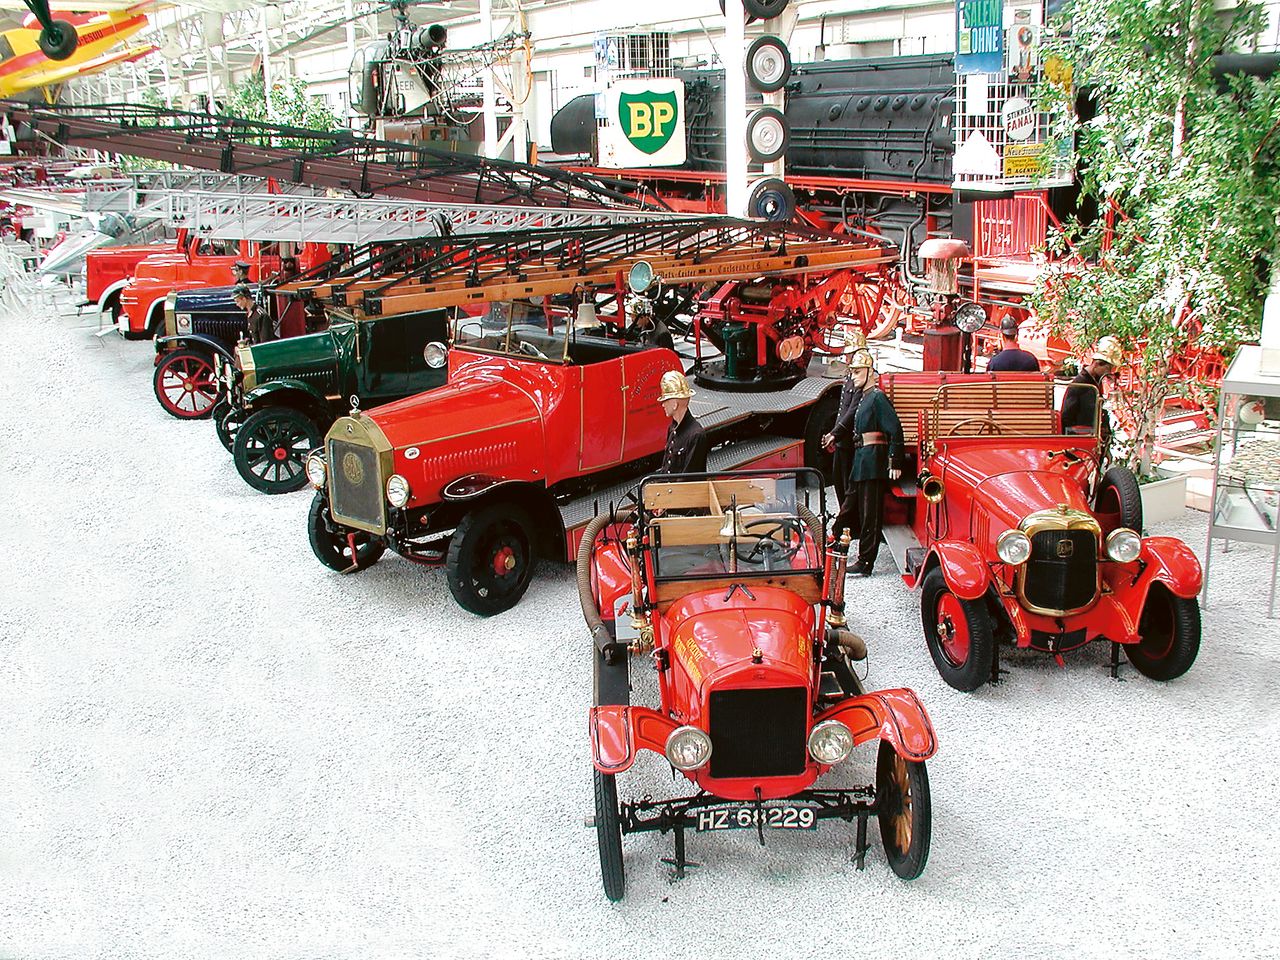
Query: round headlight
{"points": [[830, 742], [435, 354], [1123, 545], [970, 317], [397, 490], [688, 748], [316, 470], [640, 276], [1013, 547]]}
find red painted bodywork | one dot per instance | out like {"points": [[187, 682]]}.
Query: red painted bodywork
{"points": [[108, 265]]}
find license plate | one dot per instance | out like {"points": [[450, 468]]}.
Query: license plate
{"points": [[775, 817]]}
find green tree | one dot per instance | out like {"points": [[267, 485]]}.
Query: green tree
{"points": [[1185, 168], [291, 105]]}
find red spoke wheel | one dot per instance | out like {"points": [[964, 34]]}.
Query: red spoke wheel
{"points": [[271, 449], [1169, 629], [879, 307], [185, 384], [958, 632], [490, 560], [904, 811], [332, 544]]}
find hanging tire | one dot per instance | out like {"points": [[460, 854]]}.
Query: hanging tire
{"points": [[609, 836], [771, 199], [958, 632], [768, 64], [760, 9], [767, 134], [822, 417], [334, 549], [185, 384], [271, 449], [490, 559], [59, 41], [904, 811], [227, 421], [1170, 632], [1118, 502]]}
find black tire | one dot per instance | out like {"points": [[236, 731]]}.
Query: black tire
{"points": [[609, 836], [334, 550], [271, 448], [771, 199], [492, 535], [185, 384], [113, 307], [904, 811], [768, 64], [155, 322], [962, 654], [767, 134], [60, 41], [227, 422], [1170, 632], [760, 9], [1119, 501], [822, 417]]}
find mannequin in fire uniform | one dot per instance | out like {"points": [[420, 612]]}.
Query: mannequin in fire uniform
{"points": [[646, 329], [839, 439], [686, 450], [1082, 403]]}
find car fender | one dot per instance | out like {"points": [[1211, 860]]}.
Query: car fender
{"points": [[191, 341], [107, 293], [966, 573], [897, 716], [473, 486], [619, 731], [1165, 560], [276, 391]]}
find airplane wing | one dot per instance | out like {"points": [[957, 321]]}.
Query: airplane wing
{"points": [[109, 6], [52, 73]]}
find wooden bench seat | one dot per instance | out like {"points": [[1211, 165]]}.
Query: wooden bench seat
{"points": [[1011, 421], [911, 393]]}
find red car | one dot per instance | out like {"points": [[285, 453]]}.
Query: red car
{"points": [[1015, 534], [108, 269], [725, 584]]}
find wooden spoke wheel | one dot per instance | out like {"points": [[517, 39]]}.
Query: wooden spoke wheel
{"points": [[344, 551], [1170, 632], [878, 306], [271, 448], [490, 559], [185, 384], [609, 836], [958, 632], [904, 810]]}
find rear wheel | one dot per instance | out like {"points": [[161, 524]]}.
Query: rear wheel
{"points": [[1119, 501], [609, 836], [227, 421], [1170, 632], [904, 810], [958, 632], [185, 385], [490, 560], [822, 417], [271, 448], [334, 549]]}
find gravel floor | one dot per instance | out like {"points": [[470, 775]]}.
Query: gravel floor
{"points": [[215, 747]]}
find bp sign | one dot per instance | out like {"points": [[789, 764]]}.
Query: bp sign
{"points": [[644, 124]]}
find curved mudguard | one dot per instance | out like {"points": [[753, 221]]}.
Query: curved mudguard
{"points": [[963, 568], [894, 715], [191, 341], [275, 387], [1165, 560], [619, 731]]}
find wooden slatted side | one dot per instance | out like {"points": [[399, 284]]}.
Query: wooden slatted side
{"points": [[911, 393], [1010, 422], [713, 495]]}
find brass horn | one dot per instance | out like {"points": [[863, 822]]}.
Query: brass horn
{"points": [[930, 486]]}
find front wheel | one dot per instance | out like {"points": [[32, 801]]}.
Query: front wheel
{"points": [[227, 421], [609, 836], [490, 560], [334, 549], [185, 385], [904, 811], [271, 448], [958, 632], [1170, 635]]}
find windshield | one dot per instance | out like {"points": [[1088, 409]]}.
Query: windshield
{"points": [[526, 328]]}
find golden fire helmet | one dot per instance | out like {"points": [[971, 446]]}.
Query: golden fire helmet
{"points": [[854, 340], [862, 360], [674, 386], [1108, 351]]}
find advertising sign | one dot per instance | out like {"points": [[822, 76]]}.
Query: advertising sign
{"points": [[645, 124], [979, 36]]}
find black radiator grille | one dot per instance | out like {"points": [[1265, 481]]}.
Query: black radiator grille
{"points": [[224, 329], [758, 733], [1062, 573], [354, 482]]}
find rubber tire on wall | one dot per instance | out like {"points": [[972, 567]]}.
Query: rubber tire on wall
{"points": [[1119, 488], [301, 421], [821, 418], [197, 360], [1182, 617], [909, 863], [756, 82], [328, 548], [469, 536], [60, 44], [771, 199], [760, 9], [609, 835], [976, 669], [758, 117]]}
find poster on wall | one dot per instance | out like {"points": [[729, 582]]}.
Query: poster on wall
{"points": [[644, 124], [979, 36]]}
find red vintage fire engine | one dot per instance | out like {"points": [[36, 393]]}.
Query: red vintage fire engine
{"points": [[108, 269], [1016, 534], [726, 584]]}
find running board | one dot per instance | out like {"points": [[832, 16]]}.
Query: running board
{"points": [[905, 549]]}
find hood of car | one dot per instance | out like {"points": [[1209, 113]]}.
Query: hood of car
{"points": [[1012, 483], [206, 300], [279, 358]]}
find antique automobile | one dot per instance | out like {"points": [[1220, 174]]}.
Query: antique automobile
{"points": [[202, 263], [1016, 534], [108, 269], [727, 585], [278, 398]]}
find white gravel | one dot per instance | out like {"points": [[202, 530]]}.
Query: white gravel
{"points": [[215, 747]]}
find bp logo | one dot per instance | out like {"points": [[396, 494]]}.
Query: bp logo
{"points": [[648, 119]]}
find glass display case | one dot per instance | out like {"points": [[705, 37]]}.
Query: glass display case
{"points": [[1246, 470]]}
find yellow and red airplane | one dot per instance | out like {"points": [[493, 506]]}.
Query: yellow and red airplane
{"points": [[25, 61]]}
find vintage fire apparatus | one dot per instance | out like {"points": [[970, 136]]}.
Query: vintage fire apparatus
{"points": [[727, 584], [541, 420], [108, 269]]}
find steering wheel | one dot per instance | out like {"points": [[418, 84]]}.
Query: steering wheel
{"points": [[777, 551], [529, 350], [990, 427]]}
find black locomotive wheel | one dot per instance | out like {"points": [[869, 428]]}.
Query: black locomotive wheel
{"points": [[1119, 501], [822, 417], [1170, 632], [271, 448], [227, 421], [185, 385], [334, 549], [609, 836], [59, 41], [958, 632], [490, 559], [904, 810]]}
